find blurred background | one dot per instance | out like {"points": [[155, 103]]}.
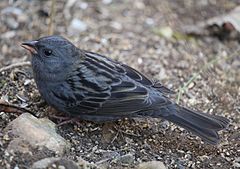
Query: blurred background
{"points": [[169, 41]]}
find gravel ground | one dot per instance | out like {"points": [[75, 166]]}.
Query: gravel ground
{"points": [[126, 31]]}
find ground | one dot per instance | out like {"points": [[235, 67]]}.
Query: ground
{"points": [[127, 31]]}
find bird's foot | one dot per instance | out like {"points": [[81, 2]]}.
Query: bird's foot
{"points": [[63, 119]]}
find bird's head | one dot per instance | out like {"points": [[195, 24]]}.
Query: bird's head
{"points": [[51, 54]]}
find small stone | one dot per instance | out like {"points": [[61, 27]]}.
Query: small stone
{"points": [[83, 5], [165, 32], [16, 167], [12, 10], [61, 167], [165, 124], [139, 5], [236, 165], [149, 21], [237, 159], [116, 25], [8, 34], [140, 61], [57, 162], [107, 1], [4, 48], [126, 159], [12, 23], [152, 165], [83, 164], [28, 131], [183, 64], [27, 82], [77, 26]]}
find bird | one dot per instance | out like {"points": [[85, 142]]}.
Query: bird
{"points": [[96, 88]]}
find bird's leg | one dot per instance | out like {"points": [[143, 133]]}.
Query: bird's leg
{"points": [[59, 117], [62, 120], [72, 120]]}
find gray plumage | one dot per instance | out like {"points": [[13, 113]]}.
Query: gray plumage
{"points": [[96, 88]]}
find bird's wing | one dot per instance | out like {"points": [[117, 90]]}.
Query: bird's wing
{"points": [[101, 86], [134, 74], [139, 77]]}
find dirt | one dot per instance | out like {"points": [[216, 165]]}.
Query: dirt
{"points": [[123, 30]]}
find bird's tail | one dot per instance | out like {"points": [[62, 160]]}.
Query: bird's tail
{"points": [[203, 125]]}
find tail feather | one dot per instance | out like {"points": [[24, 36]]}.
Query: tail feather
{"points": [[203, 125]]}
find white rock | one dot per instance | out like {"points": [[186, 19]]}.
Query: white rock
{"points": [[27, 131], [9, 34], [107, 1], [126, 159], [48, 162], [83, 5], [77, 26], [116, 25], [149, 21], [12, 23], [236, 165], [12, 10], [152, 165]]}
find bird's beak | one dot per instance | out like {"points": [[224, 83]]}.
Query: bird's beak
{"points": [[30, 46]]}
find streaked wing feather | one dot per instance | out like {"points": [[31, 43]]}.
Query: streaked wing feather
{"points": [[139, 77], [100, 86]]}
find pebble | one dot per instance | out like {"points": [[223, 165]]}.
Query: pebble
{"points": [[149, 21], [152, 165], [116, 25], [12, 23], [83, 164], [183, 64], [16, 167], [8, 34], [236, 165], [83, 5], [59, 163], [106, 1], [27, 131], [77, 26], [126, 159], [14, 16], [12, 10], [165, 32]]}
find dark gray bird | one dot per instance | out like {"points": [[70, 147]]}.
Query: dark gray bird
{"points": [[96, 88]]}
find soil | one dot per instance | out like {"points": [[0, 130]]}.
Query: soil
{"points": [[124, 30]]}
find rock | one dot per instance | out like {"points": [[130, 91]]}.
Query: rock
{"points": [[183, 64], [149, 21], [152, 165], [9, 34], [83, 5], [236, 165], [126, 159], [77, 26], [14, 16], [116, 25], [12, 23], [86, 165], [165, 32], [107, 1], [52, 162], [12, 10], [27, 131]]}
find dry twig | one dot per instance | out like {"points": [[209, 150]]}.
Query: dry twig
{"points": [[9, 108], [50, 26], [15, 65]]}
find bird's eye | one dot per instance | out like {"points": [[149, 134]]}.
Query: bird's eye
{"points": [[47, 52]]}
